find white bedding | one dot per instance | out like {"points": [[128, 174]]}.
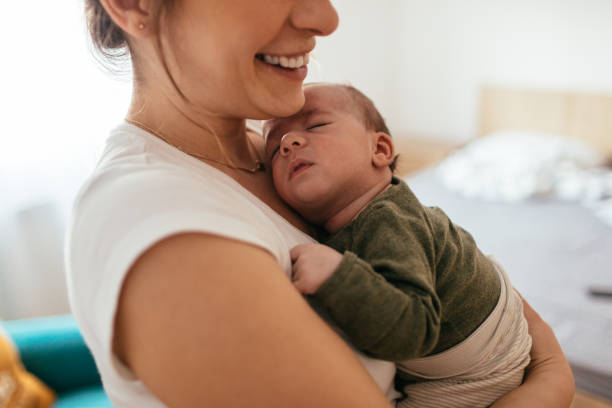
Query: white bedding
{"points": [[511, 166]]}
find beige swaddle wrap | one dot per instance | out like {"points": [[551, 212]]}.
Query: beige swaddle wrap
{"points": [[480, 369]]}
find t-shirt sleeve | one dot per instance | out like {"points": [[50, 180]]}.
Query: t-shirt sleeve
{"points": [[119, 215]]}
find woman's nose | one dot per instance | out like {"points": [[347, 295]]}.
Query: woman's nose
{"points": [[317, 16], [291, 142]]}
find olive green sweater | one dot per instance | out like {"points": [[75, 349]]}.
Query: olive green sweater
{"points": [[410, 283]]}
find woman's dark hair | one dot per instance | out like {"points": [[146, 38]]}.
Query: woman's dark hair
{"points": [[110, 47]]}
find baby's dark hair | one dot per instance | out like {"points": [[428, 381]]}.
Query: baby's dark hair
{"points": [[371, 117]]}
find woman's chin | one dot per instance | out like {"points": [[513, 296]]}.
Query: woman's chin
{"points": [[280, 108], [279, 98]]}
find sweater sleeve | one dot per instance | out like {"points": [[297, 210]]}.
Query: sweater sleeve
{"points": [[385, 299]]}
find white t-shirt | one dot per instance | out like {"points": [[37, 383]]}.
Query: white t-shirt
{"points": [[142, 191]]}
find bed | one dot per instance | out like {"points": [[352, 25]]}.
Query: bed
{"points": [[558, 252]]}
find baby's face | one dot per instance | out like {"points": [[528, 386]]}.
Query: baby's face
{"points": [[319, 156]]}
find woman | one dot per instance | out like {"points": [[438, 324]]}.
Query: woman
{"points": [[178, 241]]}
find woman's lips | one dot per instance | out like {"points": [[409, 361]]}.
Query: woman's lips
{"points": [[295, 74], [286, 61]]}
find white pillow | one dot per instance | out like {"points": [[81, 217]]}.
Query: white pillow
{"points": [[514, 165]]}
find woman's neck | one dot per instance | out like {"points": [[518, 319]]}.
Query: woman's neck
{"points": [[199, 133], [195, 133]]}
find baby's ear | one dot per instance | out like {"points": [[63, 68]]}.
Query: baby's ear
{"points": [[383, 150]]}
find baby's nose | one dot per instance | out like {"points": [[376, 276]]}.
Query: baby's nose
{"points": [[290, 142]]}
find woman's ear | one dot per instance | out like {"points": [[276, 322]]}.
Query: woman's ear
{"points": [[383, 152], [134, 17]]}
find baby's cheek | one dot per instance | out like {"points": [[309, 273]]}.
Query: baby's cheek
{"points": [[277, 175]]}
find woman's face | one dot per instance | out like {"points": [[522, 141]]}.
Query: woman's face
{"points": [[217, 52]]}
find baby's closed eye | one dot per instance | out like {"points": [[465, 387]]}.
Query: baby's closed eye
{"points": [[316, 125]]}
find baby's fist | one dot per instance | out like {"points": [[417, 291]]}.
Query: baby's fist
{"points": [[313, 264]]}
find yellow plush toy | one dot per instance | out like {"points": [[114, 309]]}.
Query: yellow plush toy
{"points": [[18, 388]]}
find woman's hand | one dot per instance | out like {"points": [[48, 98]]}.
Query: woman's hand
{"points": [[549, 381]]}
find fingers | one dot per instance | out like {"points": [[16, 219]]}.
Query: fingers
{"points": [[547, 358], [296, 276], [300, 286], [312, 265], [530, 314], [296, 251], [301, 282], [300, 278]]}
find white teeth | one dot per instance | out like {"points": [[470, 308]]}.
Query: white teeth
{"points": [[287, 62]]}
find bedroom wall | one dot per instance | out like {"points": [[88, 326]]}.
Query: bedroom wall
{"points": [[360, 50], [423, 61]]}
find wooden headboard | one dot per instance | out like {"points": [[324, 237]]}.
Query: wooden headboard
{"points": [[587, 117]]}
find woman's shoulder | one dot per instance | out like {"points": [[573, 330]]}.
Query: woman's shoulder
{"points": [[143, 191], [140, 193], [137, 168]]}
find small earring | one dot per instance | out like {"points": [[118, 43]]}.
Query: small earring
{"points": [[141, 26]]}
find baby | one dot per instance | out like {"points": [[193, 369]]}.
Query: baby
{"points": [[400, 279]]}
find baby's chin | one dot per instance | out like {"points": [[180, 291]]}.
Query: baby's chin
{"points": [[312, 209], [306, 207]]}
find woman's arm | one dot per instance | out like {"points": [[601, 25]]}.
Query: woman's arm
{"points": [[549, 381], [207, 321]]}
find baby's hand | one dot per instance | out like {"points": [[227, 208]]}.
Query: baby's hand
{"points": [[313, 264]]}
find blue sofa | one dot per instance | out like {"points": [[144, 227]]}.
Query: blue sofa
{"points": [[53, 349]]}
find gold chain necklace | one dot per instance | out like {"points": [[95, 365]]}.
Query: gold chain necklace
{"points": [[259, 165]]}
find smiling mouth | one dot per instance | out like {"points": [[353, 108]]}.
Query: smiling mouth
{"points": [[287, 62]]}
